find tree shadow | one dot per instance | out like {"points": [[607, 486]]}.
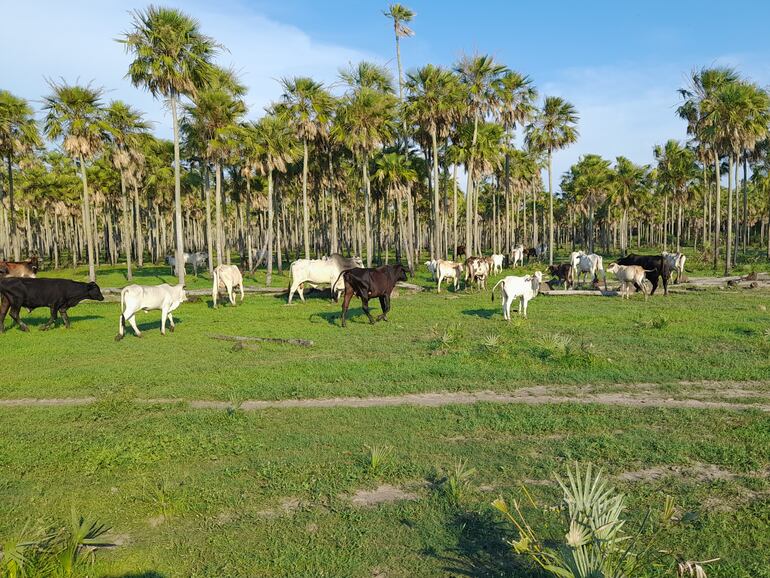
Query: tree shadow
{"points": [[485, 313], [482, 551]]}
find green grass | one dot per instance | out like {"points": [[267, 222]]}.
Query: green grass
{"points": [[200, 493]]}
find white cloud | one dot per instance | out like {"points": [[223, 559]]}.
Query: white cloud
{"points": [[75, 40]]}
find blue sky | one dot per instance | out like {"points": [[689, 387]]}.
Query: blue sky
{"points": [[619, 63]]}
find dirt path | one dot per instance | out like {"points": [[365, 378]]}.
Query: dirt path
{"points": [[697, 395]]}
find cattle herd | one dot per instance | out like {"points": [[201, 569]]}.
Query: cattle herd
{"points": [[346, 276]]}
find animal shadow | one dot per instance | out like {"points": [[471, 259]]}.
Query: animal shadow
{"points": [[485, 313], [151, 574], [335, 317]]}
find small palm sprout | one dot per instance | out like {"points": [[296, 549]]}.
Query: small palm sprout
{"points": [[378, 455]]}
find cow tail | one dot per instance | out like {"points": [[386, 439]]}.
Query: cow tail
{"points": [[122, 308], [495, 287], [337, 280]]}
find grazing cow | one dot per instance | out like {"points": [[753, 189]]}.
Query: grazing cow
{"points": [[585, 263], [164, 298], [321, 271], [655, 266], [562, 273], [526, 288], [57, 294], [476, 271], [26, 269], [517, 255], [460, 251], [366, 283], [675, 263], [448, 270], [541, 250], [629, 275], [227, 277], [497, 264], [199, 259], [432, 265]]}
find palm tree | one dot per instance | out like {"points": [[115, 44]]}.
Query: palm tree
{"points": [[434, 102], [699, 102], [75, 114], [125, 125], [630, 182], [18, 137], [482, 77], [273, 147], [397, 175], [587, 183], [172, 58], [676, 172], [365, 121], [308, 105], [554, 128], [400, 15]]}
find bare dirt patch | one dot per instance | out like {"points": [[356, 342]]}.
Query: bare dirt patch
{"points": [[286, 506], [697, 472], [384, 494]]}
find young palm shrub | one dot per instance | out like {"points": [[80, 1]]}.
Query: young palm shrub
{"points": [[377, 458], [456, 482], [595, 543]]}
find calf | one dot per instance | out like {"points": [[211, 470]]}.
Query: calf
{"points": [[135, 298], [517, 255], [25, 269], [448, 270], [227, 277], [366, 283], [476, 271], [497, 264], [675, 264], [562, 273], [526, 288], [629, 275], [585, 263], [198, 259], [57, 294], [655, 266]]}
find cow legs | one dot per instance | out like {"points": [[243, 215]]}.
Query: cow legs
{"points": [[438, 289], [132, 320], [385, 304], [163, 316], [506, 307], [241, 286], [51, 322], [5, 304], [171, 325], [65, 318], [15, 316], [365, 307], [230, 293], [345, 304]]}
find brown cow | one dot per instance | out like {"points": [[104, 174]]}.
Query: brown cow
{"points": [[28, 268], [367, 283]]}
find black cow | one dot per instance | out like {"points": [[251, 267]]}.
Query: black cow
{"points": [[367, 283], [655, 267], [562, 273], [57, 294]]}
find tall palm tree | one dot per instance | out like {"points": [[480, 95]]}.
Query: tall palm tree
{"points": [[434, 101], [365, 121], [698, 103], [125, 126], [676, 172], [401, 15], [554, 128], [18, 137], [172, 58], [630, 181], [482, 77], [587, 183], [274, 146], [397, 175], [75, 115], [308, 105]]}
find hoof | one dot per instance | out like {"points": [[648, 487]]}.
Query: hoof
{"points": [[24, 328], [171, 329], [139, 335], [45, 327], [118, 337]]}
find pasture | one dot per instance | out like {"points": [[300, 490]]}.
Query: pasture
{"points": [[678, 405]]}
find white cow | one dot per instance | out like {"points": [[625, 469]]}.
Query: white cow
{"points": [[525, 288], [448, 270], [476, 271], [134, 298], [227, 277], [585, 263], [676, 263], [517, 255], [199, 259], [324, 271], [432, 265], [497, 264], [629, 276]]}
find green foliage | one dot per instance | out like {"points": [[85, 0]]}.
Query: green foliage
{"points": [[457, 482], [377, 458]]}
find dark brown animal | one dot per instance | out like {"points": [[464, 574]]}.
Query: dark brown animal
{"points": [[28, 268], [366, 283], [562, 273]]}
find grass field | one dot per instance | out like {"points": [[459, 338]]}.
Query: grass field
{"points": [[201, 492]]}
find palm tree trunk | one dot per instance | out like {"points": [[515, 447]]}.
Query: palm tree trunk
{"points": [[745, 203], [436, 201], [209, 237], [13, 241], [87, 221], [550, 208], [218, 209], [469, 190], [333, 239], [367, 210], [126, 226], [180, 270], [717, 209], [728, 246], [305, 208], [454, 224], [269, 276]]}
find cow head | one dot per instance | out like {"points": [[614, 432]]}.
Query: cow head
{"points": [[180, 295], [400, 272], [613, 268], [94, 292]]}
